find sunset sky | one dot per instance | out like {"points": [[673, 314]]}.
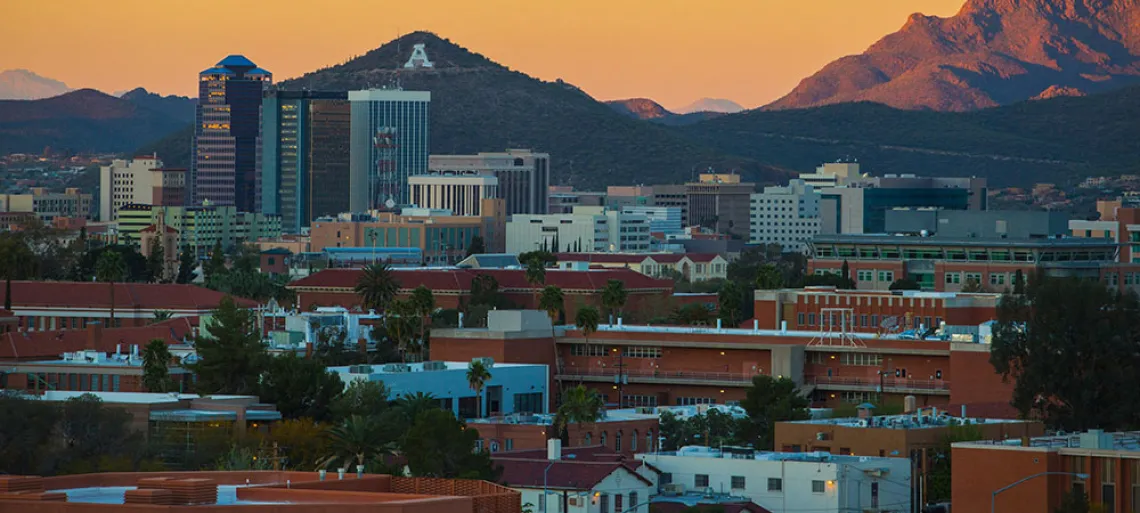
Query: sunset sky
{"points": [[674, 51]]}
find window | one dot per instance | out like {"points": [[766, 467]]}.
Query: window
{"points": [[997, 278], [818, 486], [604, 503], [1108, 484], [584, 350], [603, 438], [617, 503], [542, 502], [479, 445], [811, 319], [975, 277], [633, 499], [737, 482], [510, 444], [701, 481], [887, 276], [875, 495], [642, 352], [865, 275], [530, 402], [617, 441], [863, 359], [633, 441], [953, 278], [665, 478], [775, 484]]}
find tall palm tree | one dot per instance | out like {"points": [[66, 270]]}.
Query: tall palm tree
{"points": [[580, 405], [415, 404], [535, 274], [377, 286], [357, 440], [614, 296], [552, 301], [587, 320], [111, 268], [423, 302], [399, 323], [477, 377]]}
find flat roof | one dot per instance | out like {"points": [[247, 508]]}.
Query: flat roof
{"points": [[925, 421], [1127, 441], [419, 367], [547, 419], [700, 451], [188, 415], [1068, 242], [120, 397]]}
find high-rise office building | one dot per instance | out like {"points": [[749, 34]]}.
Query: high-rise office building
{"points": [[788, 216], [227, 135], [389, 143], [524, 176], [125, 182], [304, 156], [720, 202]]}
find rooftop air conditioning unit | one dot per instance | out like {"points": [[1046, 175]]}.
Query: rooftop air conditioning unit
{"points": [[673, 489], [435, 366], [487, 361], [396, 367]]}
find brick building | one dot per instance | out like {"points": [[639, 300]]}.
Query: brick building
{"points": [[625, 432], [870, 311]]}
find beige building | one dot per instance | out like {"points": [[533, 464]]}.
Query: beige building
{"points": [[49, 205], [460, 192], [125, 182], [523, 176], [720, 202]]}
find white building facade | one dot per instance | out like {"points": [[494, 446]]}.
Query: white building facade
{"points": [[523, 175], [788, 216], [126, 182], [789, 482], [585, 230], [460, 192], [661, 219]]}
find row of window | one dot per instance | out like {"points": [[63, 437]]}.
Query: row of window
{"points": [[603, 503], [862, 274], [774, 484], [868, 320]]}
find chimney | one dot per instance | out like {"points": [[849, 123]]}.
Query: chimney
{"points": [[94, 335], [554, 449]]}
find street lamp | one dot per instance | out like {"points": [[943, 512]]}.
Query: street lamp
{"points": [[545, 499], [993, 498]]}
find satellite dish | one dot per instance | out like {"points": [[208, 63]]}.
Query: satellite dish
{"points": [[389, 203]]}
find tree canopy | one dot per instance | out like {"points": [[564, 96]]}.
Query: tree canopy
{"points": [[439, 445], [770, 400], [300, 387], [231, 356]]}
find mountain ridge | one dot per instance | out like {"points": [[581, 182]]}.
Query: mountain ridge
{"points": [[23, 84]]}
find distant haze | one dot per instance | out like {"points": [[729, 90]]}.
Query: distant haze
{"points": [[711, 105], [22, 84]]}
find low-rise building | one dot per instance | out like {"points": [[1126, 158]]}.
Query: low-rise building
{"points": [[874, 311], [691, 266], [199, 227], [788, 482], [624, 431], [459, 192], [578, 480], [585, 229], [49, 205], [443, 239]]}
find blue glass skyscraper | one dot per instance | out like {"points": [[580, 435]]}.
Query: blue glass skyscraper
{"points": [[389, 144]]}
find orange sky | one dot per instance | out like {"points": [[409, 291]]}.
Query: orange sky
{"points": [[674, 51]]}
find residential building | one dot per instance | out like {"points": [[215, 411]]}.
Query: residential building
{"points": [[225, 167], [832, 174], [1105, 466], [63, 305], [788, 216], [239, 491], [586, 229], [512, 387], [460, 192], [523, 175], [389, 142], [949, 263], [623, 431], [861, 205], [304, 155], [874, 311], [985, 224], [1123, 227], [199, 227], [691, 266], [720, 202], [789, 482], [662, 220], [125, 182], [47, 205], [582, 480], [440, 238]]}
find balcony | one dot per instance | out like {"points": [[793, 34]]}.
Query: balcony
{"points": [[656, 376], [871, 384]]}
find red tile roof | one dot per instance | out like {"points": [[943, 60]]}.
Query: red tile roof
{"points": [[573, 475], [665, 505], [50, 344], [634, 258], [128, 296], [591, 453], [460, 279]]}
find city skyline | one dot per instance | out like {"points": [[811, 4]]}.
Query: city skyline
{"points": [[748, 52]]}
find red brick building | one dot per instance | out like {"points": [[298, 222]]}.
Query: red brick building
{"points": [[869, 311], [452, 287], [625, 432]]}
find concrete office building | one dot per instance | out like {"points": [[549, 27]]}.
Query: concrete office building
{"points": [[586, 229], [199, 227], [720, 202], [443, 239], [661, 219], [788, 216], [125, 182], [304, 156], [789, 482], [523, 175], [389, 143], [227, 135], [460, 192], [673, 195], [1121, 226], [832, 174], [563, 198], [991, 224], [49, 205], [861, 205]]}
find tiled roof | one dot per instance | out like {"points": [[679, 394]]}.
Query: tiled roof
{"points": [[460, 279], [50, 344], [128, 296], [153, 228], [602, 258], [574, 475], [591, 453], [666, 505]]}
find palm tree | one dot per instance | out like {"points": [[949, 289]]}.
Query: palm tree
{"points": [[357, 440], [423, 303], [613, 298], [111, 268], [415, 404], [398, 324], [477, 376], [587, 320], [377, 286], [552, 300], [535, 274], [579, 405]]}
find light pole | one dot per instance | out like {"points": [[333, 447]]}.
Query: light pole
{"points": [[544, 492], [993, 498]]}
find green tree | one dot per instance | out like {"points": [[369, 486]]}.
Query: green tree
{"points": [[535, 275], [938, 479], [300, 387], [216, 266], [357, 441], [845, 271], [1019, 282], [546, 257], [423, 305], [770, 400], [551, 301], [156, 367], [156, 261], [16, 262], [477, 246], [186, 265], [614, 297], [26, 447], [972, 286], [363, 398], [111, 268], [231, 357], [731, 301], [768, 277], [580, 405], [1070, 345], [92, 435], [412, 405], [439, 445], [400, 325], [377, 287], [586, 319], [477, 377], [905, 284], [303, 442], [1074, 501]]}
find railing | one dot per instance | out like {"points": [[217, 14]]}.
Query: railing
{"points": [[888, 383], [657, 374]]}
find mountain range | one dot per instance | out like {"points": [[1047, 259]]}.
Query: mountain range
{"points": [[993, 52], [649, 110], [22, 84]]}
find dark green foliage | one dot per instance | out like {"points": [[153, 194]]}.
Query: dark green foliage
{"points": [[231, 357], [1074, 501], [95, 437], [156, 367], [216, 265], [155, 263], [485, 296], [579, 405], [770, 400], [692, 314], [299, 387], [363, 398], [546, 257], [135, 264], [768, 277], [1070, 345], [254, 285], [25, 446], [186, 265], [377, 286], [829, 279], [712, 429], [477, 246], [938, 480], [905, 284], [731, 300], [1019, 282], [614, 297], [439, 445]]}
